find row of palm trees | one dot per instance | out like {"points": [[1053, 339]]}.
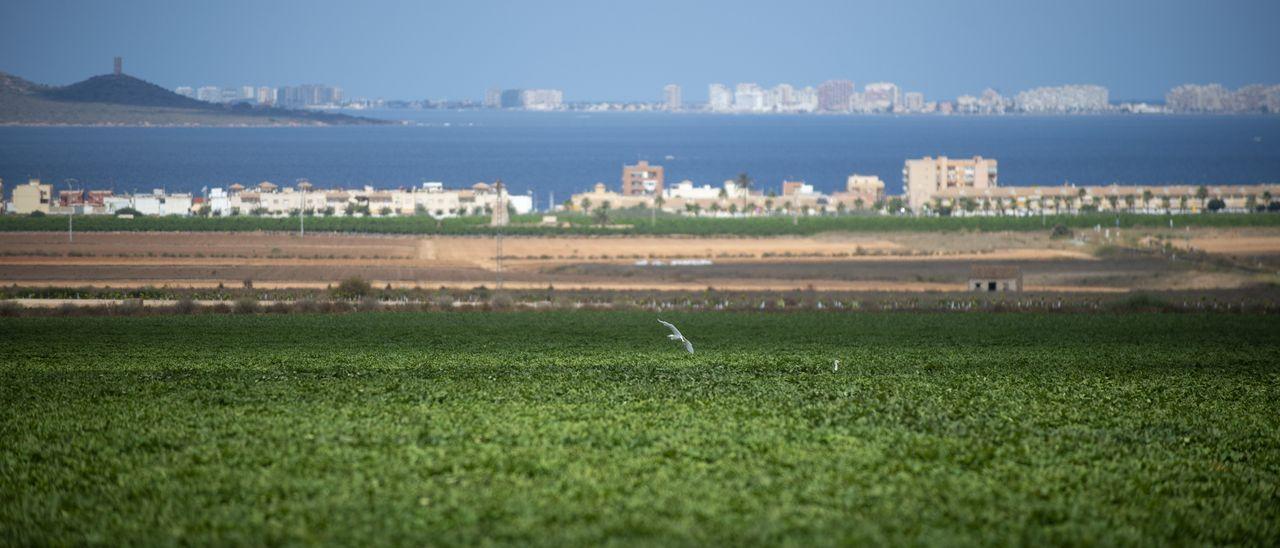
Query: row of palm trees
{"points": [[971, 205]]}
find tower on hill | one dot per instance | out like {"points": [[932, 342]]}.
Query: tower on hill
{"points": [[119, 67]]}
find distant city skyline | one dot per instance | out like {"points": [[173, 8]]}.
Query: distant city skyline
{"points": [[1138, 49]]}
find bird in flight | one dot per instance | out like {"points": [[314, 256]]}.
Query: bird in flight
{"points": [[677, 336]]}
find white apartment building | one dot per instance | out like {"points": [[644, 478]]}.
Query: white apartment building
{"points": [[719, 98], [671, 99]]}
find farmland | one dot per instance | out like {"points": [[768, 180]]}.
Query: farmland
{"points": [[581, 427], [635, 222]]}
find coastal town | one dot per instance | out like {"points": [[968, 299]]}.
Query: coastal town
{"points": [[932, 186]]}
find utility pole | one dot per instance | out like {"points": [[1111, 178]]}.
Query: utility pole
{"points": [[71, 212], [302, 207], [498, 235]]}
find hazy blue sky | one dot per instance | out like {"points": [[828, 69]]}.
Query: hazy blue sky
{"points": [[629, 50]]}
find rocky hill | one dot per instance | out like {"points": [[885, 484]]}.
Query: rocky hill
{"points": [[120, 99]]}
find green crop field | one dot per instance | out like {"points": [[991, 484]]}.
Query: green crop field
{"points": [[577, 427], [635, 222]]}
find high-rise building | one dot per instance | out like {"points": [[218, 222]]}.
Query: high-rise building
{"points": [[748, 97], [922, 178], [806, 99], [833, 95], [209, 93], [493, 98], [719, 98], [309, 95], [266, 96], [880, 97], [542, 99], [671, 97], [913, 101], [512, 98], [229, 95], [1063, 99], [248, 92], [642, 179]]}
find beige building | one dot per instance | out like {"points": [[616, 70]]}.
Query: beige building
{"points": [[31, 197], [642, 179], [987, 278], [923, 178], [601, 195], [866, 190]]}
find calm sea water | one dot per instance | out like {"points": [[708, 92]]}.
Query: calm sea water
{"points": [[568, 152]]}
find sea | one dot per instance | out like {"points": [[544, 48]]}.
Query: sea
{"points": [[553, 154]]}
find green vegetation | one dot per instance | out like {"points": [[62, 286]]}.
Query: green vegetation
{"points": [[636, 222], [570, 428]]}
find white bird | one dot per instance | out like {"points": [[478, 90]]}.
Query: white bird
{"points": [[837, 366], [677, 336]]}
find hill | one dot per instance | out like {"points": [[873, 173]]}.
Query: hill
{"points": [[122, 89], [120, 99]]}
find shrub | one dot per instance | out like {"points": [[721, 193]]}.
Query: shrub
{"points": [[10, 309], [306, 305], [352, 288], [369, 304], [186, 305], [1142, 302], [37, 214], [1061, 231], [246, 305], [502, 300], [130, 307]]}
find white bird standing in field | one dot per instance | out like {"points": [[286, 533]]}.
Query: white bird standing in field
{"points": [[836, 366], [677, 336]]}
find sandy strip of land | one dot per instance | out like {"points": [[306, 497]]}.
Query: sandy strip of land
{"points": [[725, 285]]}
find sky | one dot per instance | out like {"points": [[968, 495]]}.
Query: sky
{"points": [[626, 51]]}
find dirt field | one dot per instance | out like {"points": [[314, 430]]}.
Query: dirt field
{"points": [[876, 262]]}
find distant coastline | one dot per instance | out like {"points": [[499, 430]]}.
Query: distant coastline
{"points": [[120, 100]]}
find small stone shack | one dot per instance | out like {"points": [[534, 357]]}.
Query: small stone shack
{"points": [[988, 278]]}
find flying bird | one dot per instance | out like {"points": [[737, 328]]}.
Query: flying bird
{"points": [[677, 336]]}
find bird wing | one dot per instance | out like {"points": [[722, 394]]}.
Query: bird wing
{"points": [[688, 345], [673, 329]]}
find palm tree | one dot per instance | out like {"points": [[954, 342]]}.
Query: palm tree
{"points": [[585, 204], [1146, 199], [1251, 202], [1114, 201], [1202, 194], [601, 216], [1166, 203], [858, 203], [1080, 204], [1129, 200], [744, 185], [1182, 203], [1266, 197]]}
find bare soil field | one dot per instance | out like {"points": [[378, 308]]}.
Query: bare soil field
{"points": [[847, 262]]}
